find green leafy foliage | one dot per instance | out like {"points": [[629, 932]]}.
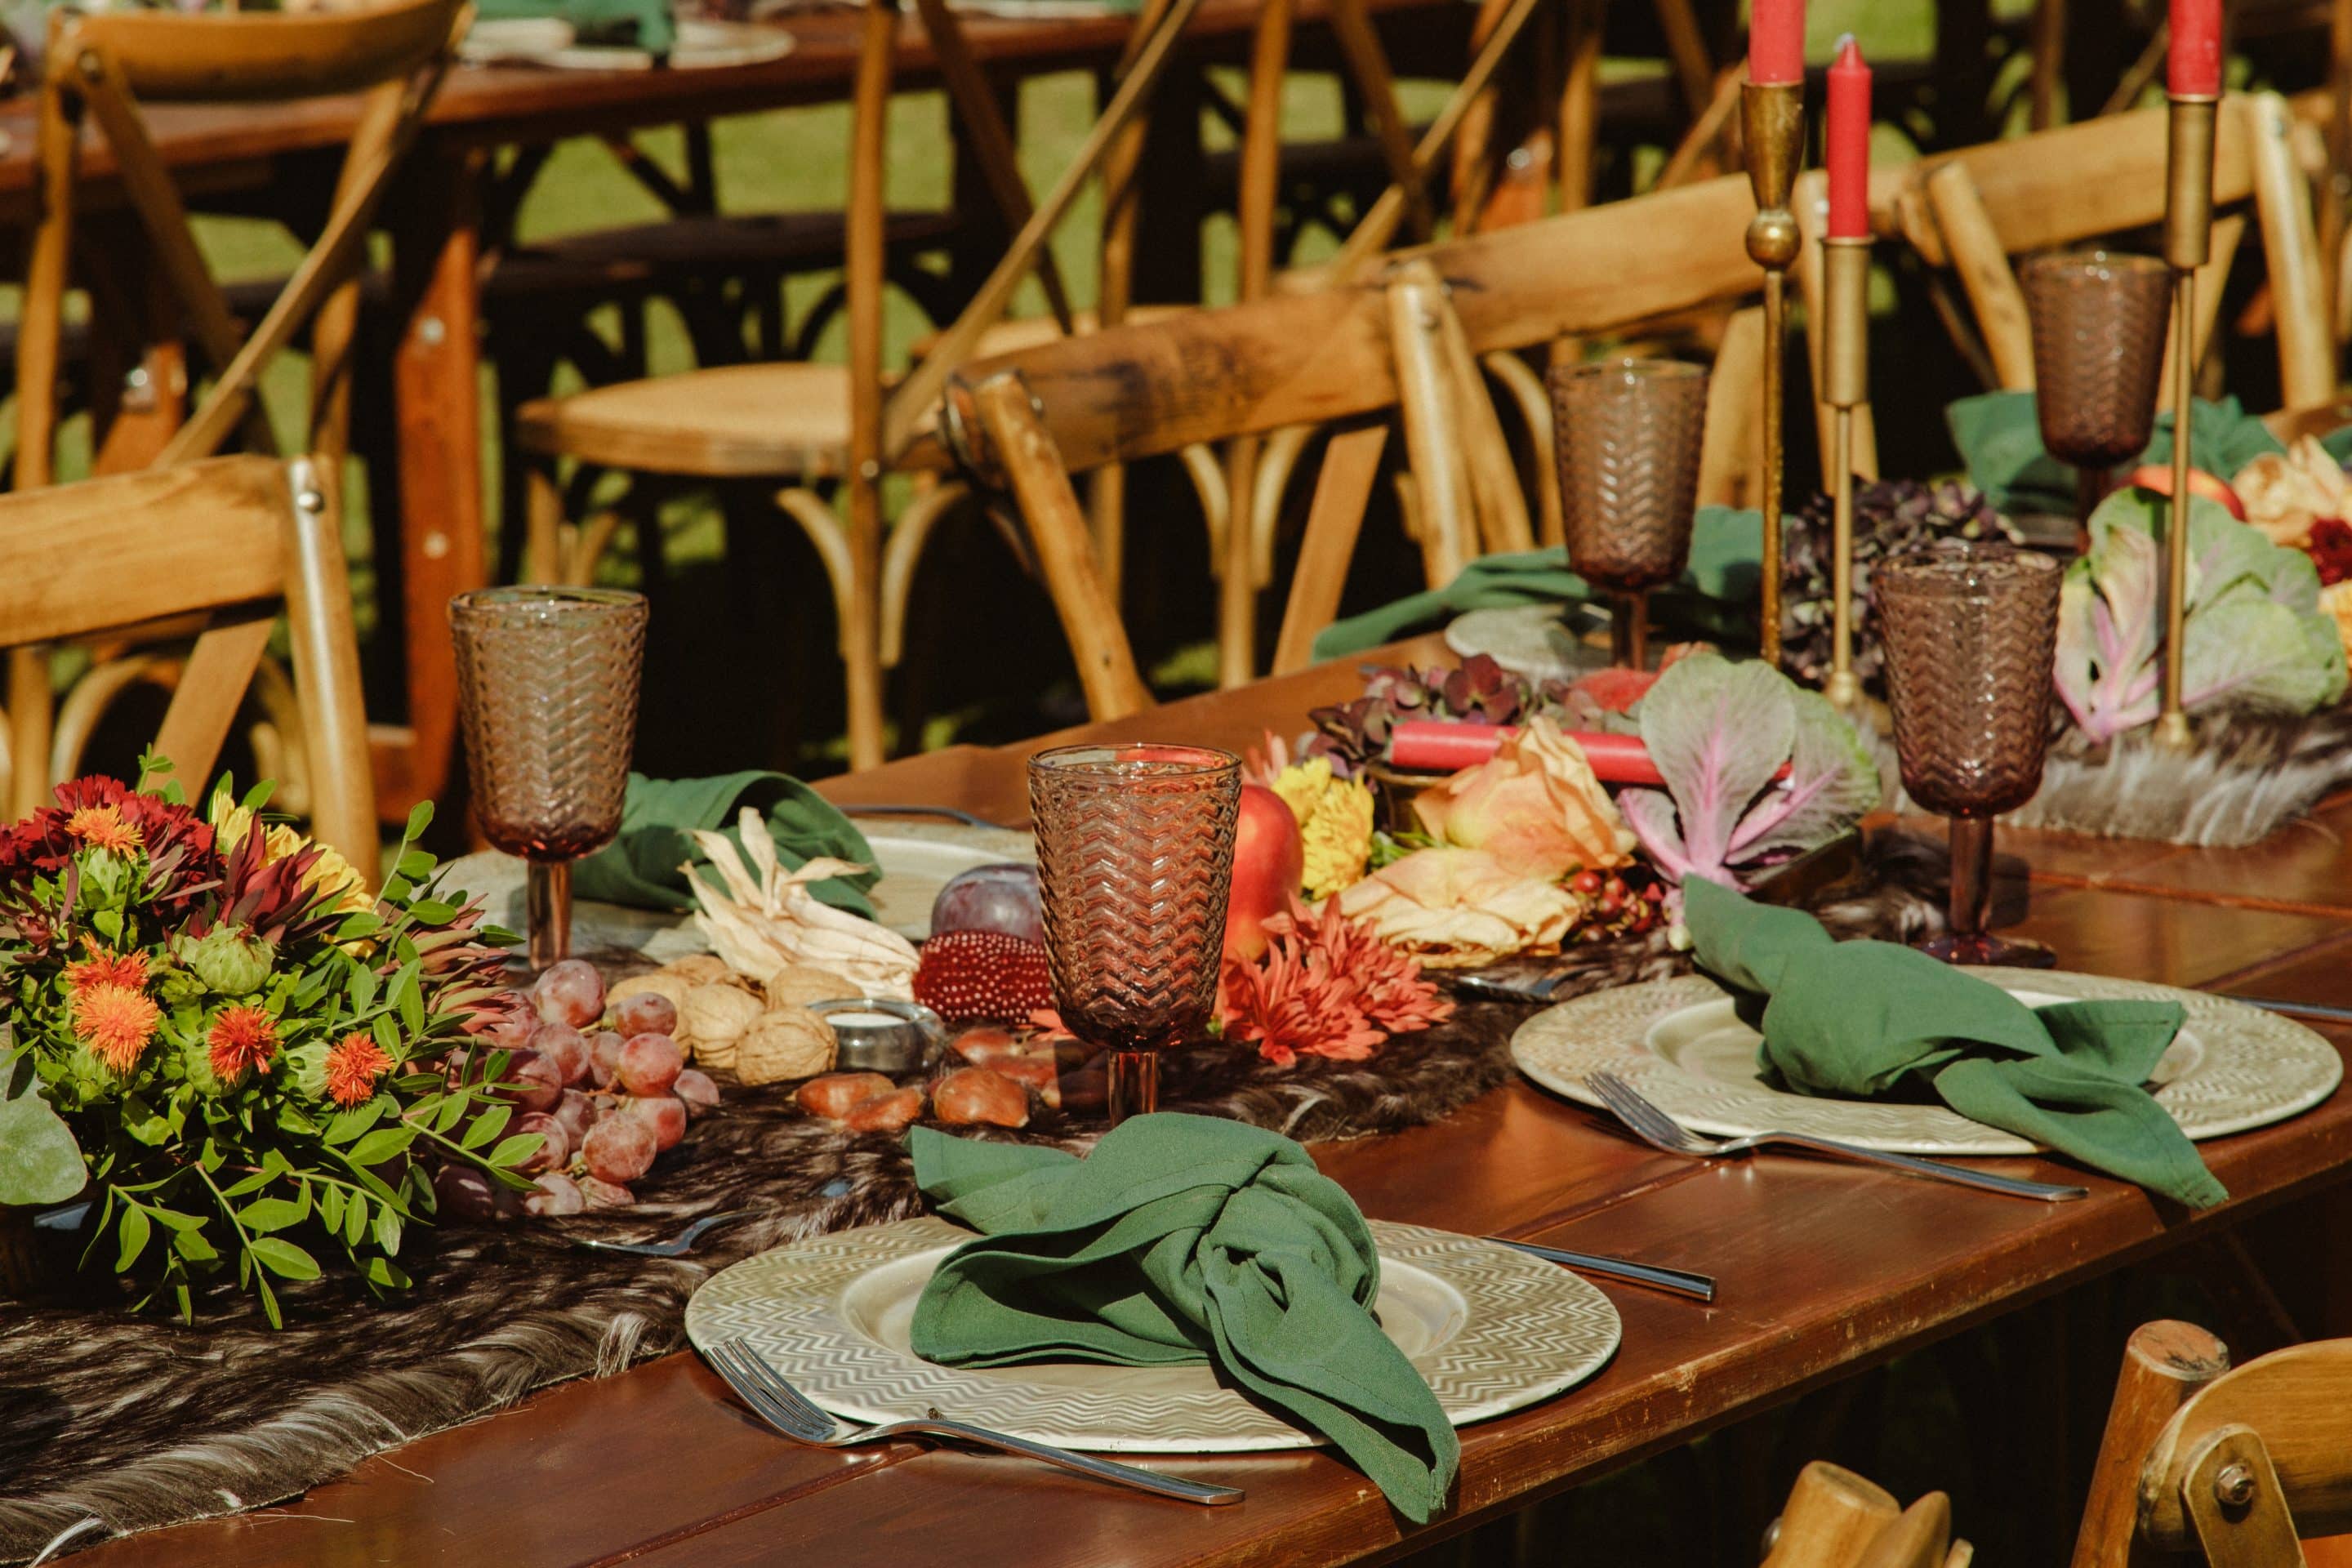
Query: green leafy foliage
{"points": [[1999, 435], [243, 1056]]}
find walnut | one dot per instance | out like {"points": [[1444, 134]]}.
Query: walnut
{"points": [[791, 1042], [711, 1021], [698, 969], [660, 983], [798, 984]]}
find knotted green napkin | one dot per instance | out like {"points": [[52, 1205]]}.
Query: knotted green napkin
{"points": [[1183, 1238], [645, 863], [647, 25], [1858, 1018]]}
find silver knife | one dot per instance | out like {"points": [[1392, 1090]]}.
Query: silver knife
{"points": [[1676, 1281]]}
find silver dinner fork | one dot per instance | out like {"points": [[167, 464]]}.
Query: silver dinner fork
{"points": [[1660, 1130], [786, 1409], [678, 1245]]}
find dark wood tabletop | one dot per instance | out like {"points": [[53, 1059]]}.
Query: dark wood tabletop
{"points": [[1824, 1269]]}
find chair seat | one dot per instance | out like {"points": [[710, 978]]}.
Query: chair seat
{"points": [[650, 256], [787, 420]]}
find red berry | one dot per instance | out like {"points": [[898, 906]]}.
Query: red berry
{"points": [[1585, 882]]}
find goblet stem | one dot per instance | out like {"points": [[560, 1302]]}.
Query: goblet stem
{"points": [[1629, 630], [2092, 482], [1971, 877], [547, 905], [1134, 1084]]}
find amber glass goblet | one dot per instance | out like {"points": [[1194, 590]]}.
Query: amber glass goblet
{"points": [[1135, 857], [2098, 349], [1627, 433], [1970, 644], [547, 689]]}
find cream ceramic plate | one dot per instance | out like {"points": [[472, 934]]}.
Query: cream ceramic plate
{"points": [[916, 860], [1681, 1044], [1491, 1329]]}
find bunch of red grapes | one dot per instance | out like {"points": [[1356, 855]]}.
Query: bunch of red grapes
{"points": [[608, 1094]]}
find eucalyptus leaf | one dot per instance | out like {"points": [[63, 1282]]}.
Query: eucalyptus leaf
{"points": [[39, 1161]]}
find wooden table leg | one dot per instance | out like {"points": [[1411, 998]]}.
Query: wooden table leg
{"points": [[436, 395]]}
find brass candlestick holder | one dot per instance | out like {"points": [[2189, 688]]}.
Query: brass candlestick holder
{"points": [[1772, 120], [2188, 244], [1845, 385]]}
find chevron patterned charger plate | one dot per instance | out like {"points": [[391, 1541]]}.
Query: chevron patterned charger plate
{"points": [[1680, 1044], [1491, 1329]]}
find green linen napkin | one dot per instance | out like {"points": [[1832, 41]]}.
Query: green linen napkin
{"points": [[1715, 596], [1998, 437], [647, 25], [1183, 1238], [645, 863], [1859, 1018]]}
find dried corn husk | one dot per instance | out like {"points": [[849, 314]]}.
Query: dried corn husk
{"points": [[791, 1042], [768, 921]]}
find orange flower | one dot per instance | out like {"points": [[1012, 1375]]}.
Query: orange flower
{"points": [[352, 1068], [1535, 803], [102, 827], [115, 1022], [127, 970], [1328, 987], [242, 1038]]}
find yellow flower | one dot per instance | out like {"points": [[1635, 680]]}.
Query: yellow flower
{"points": [[2335, 600], [329, 873], [1335, 822]]}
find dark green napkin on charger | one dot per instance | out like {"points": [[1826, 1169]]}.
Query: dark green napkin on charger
{"points": [[1715, 596], [1183, 1238], [647, 25], [1859, 1018], [644, 865]]}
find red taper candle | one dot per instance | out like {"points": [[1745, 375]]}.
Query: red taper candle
{"points": [[2193, 68], [1849, 143], [1776, 42]]}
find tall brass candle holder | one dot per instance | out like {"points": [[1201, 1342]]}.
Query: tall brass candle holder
{"points": [[2188, 242], [1772, 119], [1845, 385]]}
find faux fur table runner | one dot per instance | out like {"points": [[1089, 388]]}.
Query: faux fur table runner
{"points": [[139, 1422]]}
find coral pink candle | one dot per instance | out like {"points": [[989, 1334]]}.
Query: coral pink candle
{"points": [[1849, 143], [2193, 69], [1776, 42]]}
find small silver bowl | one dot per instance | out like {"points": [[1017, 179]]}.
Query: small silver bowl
{"points": [[880, 1035]]}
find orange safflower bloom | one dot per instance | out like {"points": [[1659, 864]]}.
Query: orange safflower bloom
{"points": [[352, 1068], [242, 1038], [115, 1022], [102, 827], [127, 970]]}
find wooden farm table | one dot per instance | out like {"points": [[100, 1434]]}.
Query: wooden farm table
{"points": [[1824, 1269]]}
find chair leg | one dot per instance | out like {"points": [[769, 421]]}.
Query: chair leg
{"points": [[1351, 465], [902, 552], [542, 556], [1276, 464], [31, 713], [860, 642], [1534, 402]]}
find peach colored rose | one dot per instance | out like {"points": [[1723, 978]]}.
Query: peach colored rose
{"points": [[1534, 804], [1458, 908]]}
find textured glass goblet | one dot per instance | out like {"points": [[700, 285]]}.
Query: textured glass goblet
{"points": [[546, 691], [2098, 349], [1627, 433], [1970, 644], [1135, 857]]}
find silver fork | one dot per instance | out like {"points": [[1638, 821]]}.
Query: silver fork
{"points": [[786, 1409], [676, 1245], [1660, 1130]]}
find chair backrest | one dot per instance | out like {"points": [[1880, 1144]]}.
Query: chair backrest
{"points": [[1974, 209], [2255, 1460], [219, 547], [1032, 418], [101, 67]]}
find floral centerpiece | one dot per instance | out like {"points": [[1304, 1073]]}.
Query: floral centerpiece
{"points": [[231, 1047]]}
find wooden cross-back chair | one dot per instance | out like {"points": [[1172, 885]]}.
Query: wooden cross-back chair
{"points": [[213, 550], [1836, 1518], [102, 70], [1973, 210], [2237, 1465], [1410, 340]]}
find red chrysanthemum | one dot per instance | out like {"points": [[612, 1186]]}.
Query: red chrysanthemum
{"points": [[127, 970], [242, 1038], [115, 1022], [1326, 987], [352, 1068], [178, 844]]}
